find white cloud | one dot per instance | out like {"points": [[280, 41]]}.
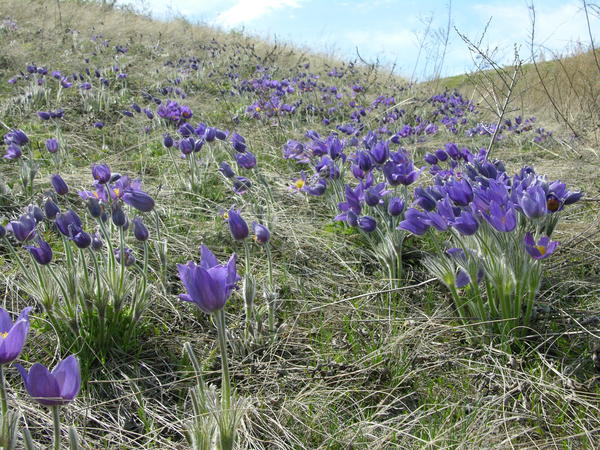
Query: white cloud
{"points": [[245, 11]]}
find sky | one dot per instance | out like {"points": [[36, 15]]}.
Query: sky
{"points": [[406, 35]]}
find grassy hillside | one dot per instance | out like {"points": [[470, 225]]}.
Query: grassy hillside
{"points": [[359, 333]]}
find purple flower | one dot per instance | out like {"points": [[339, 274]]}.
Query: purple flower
{"points": [[238, 142], [541, 249], [466, 224], [59, 184], [23, 229], [246, 160], [52, 145], [404, 173], [13, 335], [237, 225], [502, 218], [17, 137], [533, 202], [44, 115], [129, 256], [395, 206], [53, 388], [226, 170], [67, 221], [261, 233], [51, 209], [139, 230], [367, 223], [2, 231], [101, 173], [208, 284], [13, 151], [167, 140], [415, 222], [42, 254]]}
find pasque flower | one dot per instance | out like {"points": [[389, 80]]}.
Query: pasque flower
{"points": [[208, 284], [42, 254], [261, 233], [237, 225], [53, 388], [13, 335], [59, 185], [541, 249], [23, 229]]}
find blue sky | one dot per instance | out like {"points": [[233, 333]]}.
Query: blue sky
{"points": [[391, 30]]}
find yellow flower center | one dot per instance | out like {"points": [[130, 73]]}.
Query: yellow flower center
{"points": [[116, 191], [257, 108], [225, 215], [541, 249], [3, 335], [299, 184]]}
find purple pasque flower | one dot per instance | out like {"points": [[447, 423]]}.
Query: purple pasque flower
{"points": [[13, 335], [13, 151], [59, 185], [226, 170], [351, 208], [380, 152], [67, 221], [2, 231], [465, 223], [261, 233], [129, 191], [245, 160], [367, 223], [404, 173], [238, 142], [101, 173], [501, 217], [374, 195], [415, 222], [42, 254], [23, 229], [237, 225], [541, 249], [208, 284], [139, 230], [17, 137], [53, 388], [460, 192], [395, 206], [129, 256], [533, 202], [51, 209]]}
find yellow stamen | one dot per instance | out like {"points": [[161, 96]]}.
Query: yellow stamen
{"points": [[116, 191], [257, 108], [225, 215], [299, 184], [3, 335], [541, 249]]}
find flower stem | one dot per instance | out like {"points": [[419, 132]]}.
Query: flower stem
{"points": [[225, 382], [4, 438], [56, 420]]}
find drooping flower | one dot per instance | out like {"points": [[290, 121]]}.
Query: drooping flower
{"points": [[208, 284], [51, 145], [139, 230], [129, 256], [13, 335], [53, 388], [13, 151], [245, 160], [23, 229], [237, 225], [101, 173], [541, 249], [59, 185], [261, 233], [42, 254]]}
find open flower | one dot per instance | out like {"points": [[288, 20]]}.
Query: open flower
{"points": [[53, 388], [12, 335], [208, 284], [541, 249]]}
